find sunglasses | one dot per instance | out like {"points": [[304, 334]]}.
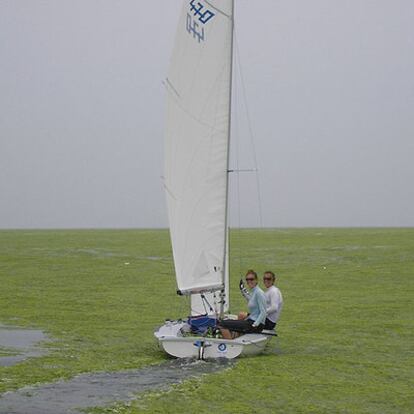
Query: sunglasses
{"points": [[267, 278], [249, 279]]}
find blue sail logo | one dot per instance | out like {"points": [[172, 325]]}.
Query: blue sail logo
{"points": [[197, 17]]}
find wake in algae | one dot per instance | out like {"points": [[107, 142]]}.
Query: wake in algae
{"points": [[101, 389]]}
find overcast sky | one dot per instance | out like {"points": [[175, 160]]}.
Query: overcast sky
{"points": [[330, 94]]}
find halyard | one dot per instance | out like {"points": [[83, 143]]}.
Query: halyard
{"points": [[346, 334]]}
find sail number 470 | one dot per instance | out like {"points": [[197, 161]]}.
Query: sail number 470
{"points": [[199, 10], [201, 14]]}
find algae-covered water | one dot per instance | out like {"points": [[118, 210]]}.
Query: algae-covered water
{"points": [[345, 337]]}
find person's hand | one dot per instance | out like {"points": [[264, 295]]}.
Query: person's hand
{"points": [[241, 285], [242, 315], [243, 290]]}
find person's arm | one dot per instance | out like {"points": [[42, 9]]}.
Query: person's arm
{"points": [[261, 303], [274, 302]]}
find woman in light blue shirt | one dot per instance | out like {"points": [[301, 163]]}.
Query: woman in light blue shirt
{"points": [[254, 323]]}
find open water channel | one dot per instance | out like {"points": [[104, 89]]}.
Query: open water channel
{"points": [[92, 389]]}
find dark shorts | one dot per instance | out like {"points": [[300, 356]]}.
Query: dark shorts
{"points": [[243, 325], [269, 325]]}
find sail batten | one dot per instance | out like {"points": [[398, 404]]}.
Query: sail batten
{"points": [[196, 151]]}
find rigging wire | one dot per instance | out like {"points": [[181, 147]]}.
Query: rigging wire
{"points": [[250, 128], [239, 80]]}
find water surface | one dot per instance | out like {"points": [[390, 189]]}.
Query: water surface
{"points": [[18, 344], [103, 388]]}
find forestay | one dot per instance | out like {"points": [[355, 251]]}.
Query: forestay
{"points": [[197, 133]]}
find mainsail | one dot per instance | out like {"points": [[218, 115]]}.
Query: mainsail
{"points": [[197, 143]]}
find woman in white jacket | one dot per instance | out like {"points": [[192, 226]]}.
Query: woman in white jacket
{"points": [[274, 300]]}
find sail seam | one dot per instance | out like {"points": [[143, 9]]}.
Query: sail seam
{"points": [[218, 10], [195, 118]]}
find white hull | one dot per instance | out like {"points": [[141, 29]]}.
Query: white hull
{"points": [[179, 346]]}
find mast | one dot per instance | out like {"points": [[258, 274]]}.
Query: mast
{"points": [[226, 229]]}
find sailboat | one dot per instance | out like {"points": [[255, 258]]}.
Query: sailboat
{"points": [[196, 180]]}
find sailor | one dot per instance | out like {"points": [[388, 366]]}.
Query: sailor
{"points": [[274, 300], [254, 322]]}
